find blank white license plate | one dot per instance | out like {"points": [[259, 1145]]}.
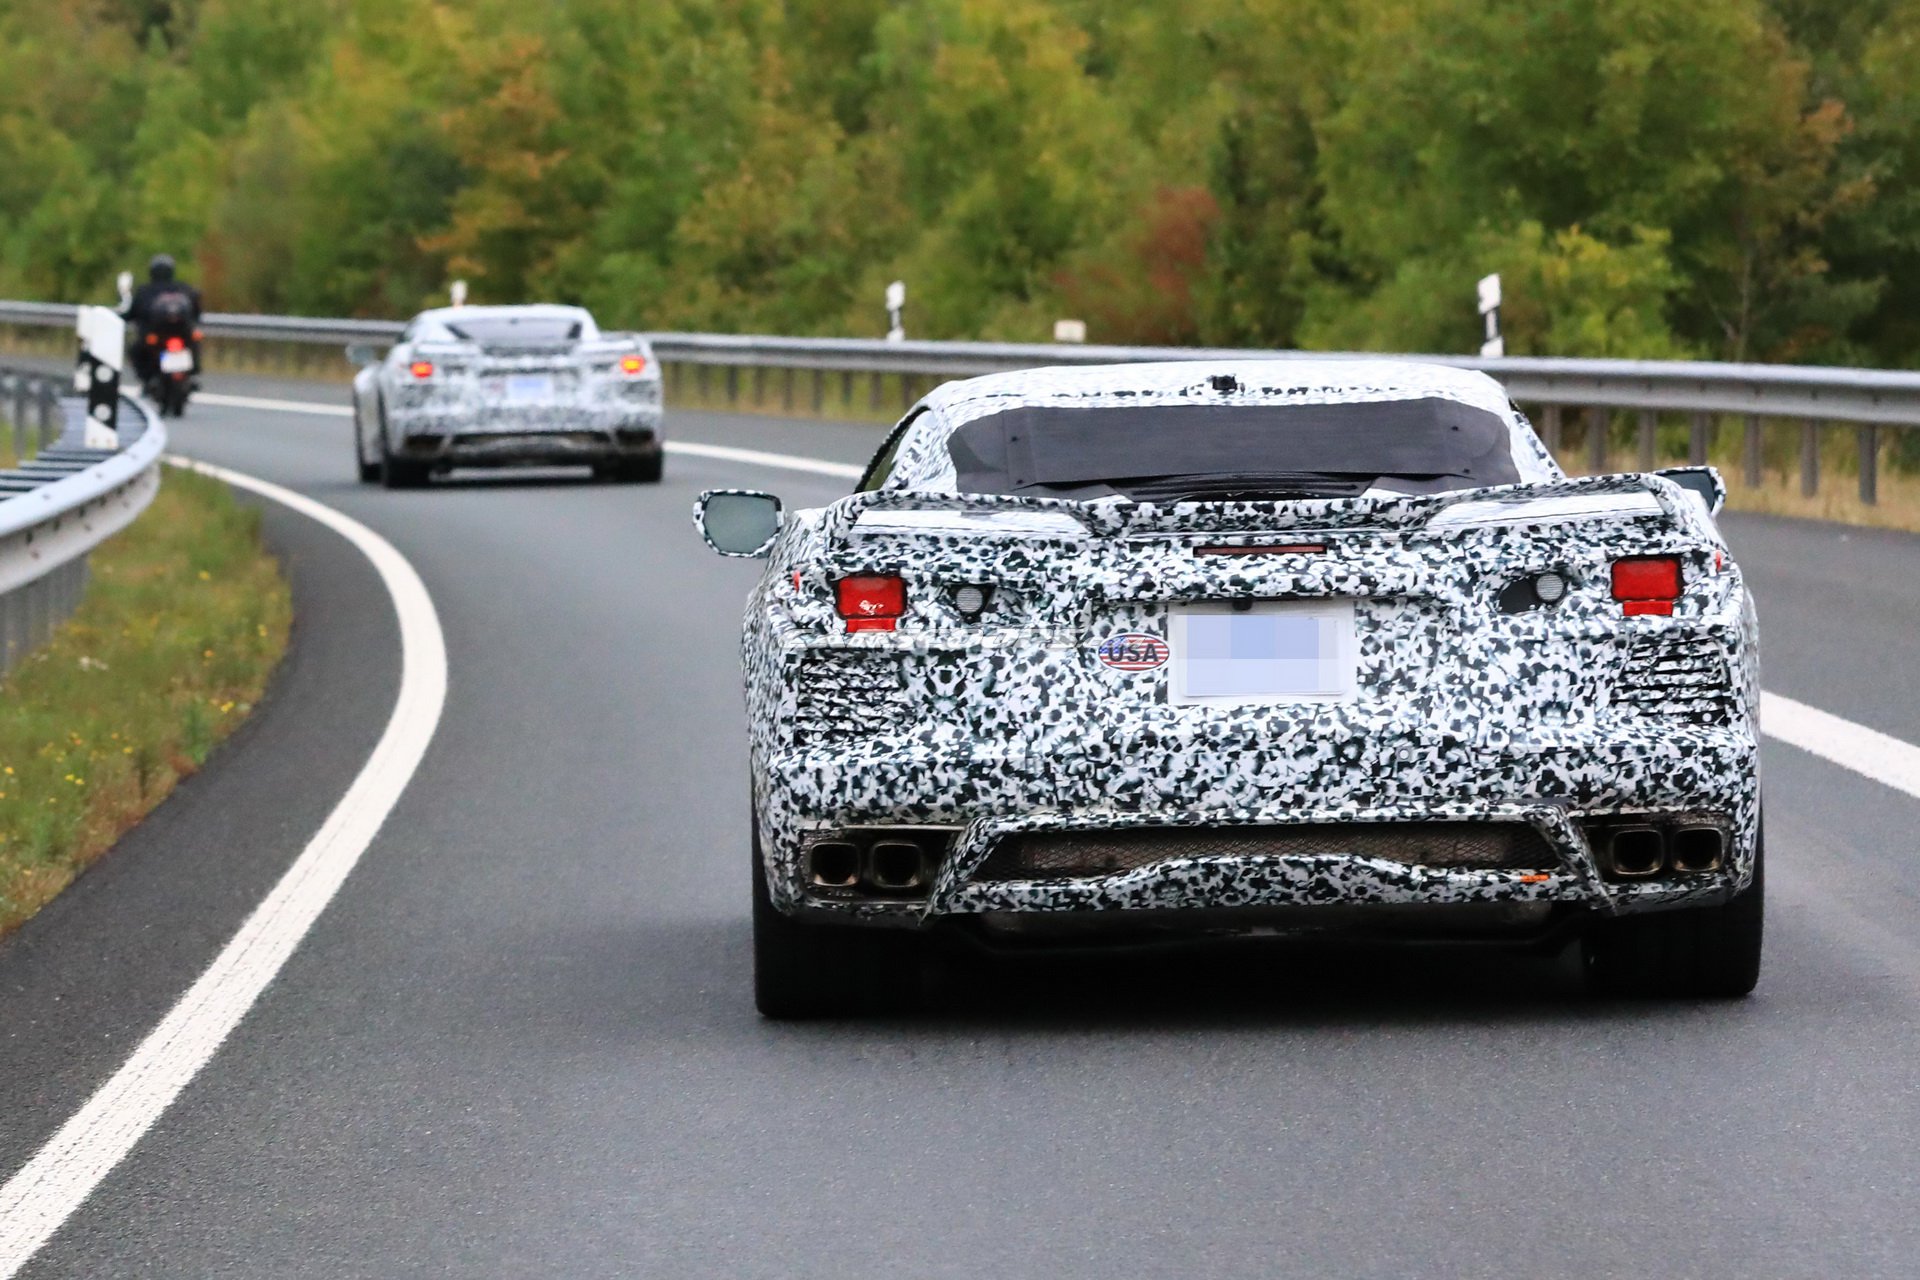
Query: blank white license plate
{"points": [[176, 362], [529, 386], [1272, 651]]}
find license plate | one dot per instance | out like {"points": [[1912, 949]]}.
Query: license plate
{"points": [[176, 362], [522, 387], [1266, 652]]}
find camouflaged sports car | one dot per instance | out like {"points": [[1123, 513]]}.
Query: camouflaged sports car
{"points": [[506, 386], [1174, 650]]}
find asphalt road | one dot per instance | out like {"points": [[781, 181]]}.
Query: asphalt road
{"points": [[521, 1041]]}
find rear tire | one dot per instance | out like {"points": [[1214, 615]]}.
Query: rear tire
{"points": [[805, 970], [645, 470], [401, 473], [1697, 952], [369, 472]]}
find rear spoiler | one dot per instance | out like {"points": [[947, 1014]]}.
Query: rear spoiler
{"points": [[1611, 497]]}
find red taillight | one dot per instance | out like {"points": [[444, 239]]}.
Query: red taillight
{"points": [[633, 366], [871, 603], [176, 344], [1647, 585], [197, 335], [153, 339], [421, 368]]}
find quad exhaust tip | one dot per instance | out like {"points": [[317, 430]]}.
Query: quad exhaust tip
{"points": [[1697, 849], [896, 866], [1636, 852], [833, 864]]}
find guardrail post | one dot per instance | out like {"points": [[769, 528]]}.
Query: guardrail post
{"points": [[50, 423], [1809, 458], [786, 389], [819, 392], [1869, 435], [1753, 451], [700, 382], [873, 392], [909, 385], [19, 416], [1649, 439], [759, 386], [1550, 428], [846, 391], [1597, 419], [733, 384], [1697, 439]]}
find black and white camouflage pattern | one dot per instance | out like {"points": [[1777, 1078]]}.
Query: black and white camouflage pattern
{"points": [[1007, 722], [463, 415]]}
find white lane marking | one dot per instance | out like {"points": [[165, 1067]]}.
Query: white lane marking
{"points": [[64, 1172], [276, 406], [754, 457], [724, 453], [1867, 752], [1851, 746]]}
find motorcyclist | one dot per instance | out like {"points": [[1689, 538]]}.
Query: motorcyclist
{"points": [[161, 281]]}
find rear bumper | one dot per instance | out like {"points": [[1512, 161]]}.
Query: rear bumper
{"points": [[1558, 788], [551, 437]]}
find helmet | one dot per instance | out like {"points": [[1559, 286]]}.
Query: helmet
{"points": [[160, 270]]}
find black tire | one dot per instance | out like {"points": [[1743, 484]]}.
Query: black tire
{"points": [[805, 970], [401, 473], [1697, 952], [645, 470], [369, 472], [173, 398]]}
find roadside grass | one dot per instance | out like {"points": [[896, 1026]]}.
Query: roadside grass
{"points": [[184, 619]]}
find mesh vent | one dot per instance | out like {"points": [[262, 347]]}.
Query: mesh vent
{"points": [[1075, 854], [843, 693], [1676, 675]]}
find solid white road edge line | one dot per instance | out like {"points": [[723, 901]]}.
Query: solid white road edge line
{"points": [[1851, 746], [64, 1172], [1867, 752]]}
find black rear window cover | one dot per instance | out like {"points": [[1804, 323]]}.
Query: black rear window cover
{"points": [[1055, 448]]}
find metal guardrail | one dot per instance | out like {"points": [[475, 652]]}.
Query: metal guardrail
{"points": [[1866, 399], [59, 504]]}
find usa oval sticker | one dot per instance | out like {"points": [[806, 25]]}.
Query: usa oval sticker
{"points": [[1134, 651]]}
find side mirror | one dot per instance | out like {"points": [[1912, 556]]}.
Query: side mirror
{"points": [[1703, 482], [361, 354], [737, 522]]}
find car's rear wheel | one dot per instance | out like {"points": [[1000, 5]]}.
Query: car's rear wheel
{"points": [[645, 470], [401, 473], [369, 471], [1711, 952], [806, 970]]}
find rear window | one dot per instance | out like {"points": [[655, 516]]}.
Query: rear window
{"points": [[517, 331], [1212, 452]]}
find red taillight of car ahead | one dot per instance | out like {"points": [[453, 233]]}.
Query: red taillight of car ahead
{"points": [[1647, 585], [176, 344], [421, 368], [633, 366], [872, 603]]}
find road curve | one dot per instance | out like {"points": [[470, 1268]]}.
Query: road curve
{"points": [[520, 1041]]}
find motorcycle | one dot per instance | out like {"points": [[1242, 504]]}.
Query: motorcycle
{"points": [[173, 346]]}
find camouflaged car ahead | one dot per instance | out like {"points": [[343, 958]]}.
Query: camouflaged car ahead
{"points": [[506, 386], [1165, 650]]}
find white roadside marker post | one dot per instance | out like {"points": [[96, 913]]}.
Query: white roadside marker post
{"points": [[1495, 346]]}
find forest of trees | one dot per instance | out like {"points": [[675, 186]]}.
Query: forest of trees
{"points": [[1727, 179]]}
